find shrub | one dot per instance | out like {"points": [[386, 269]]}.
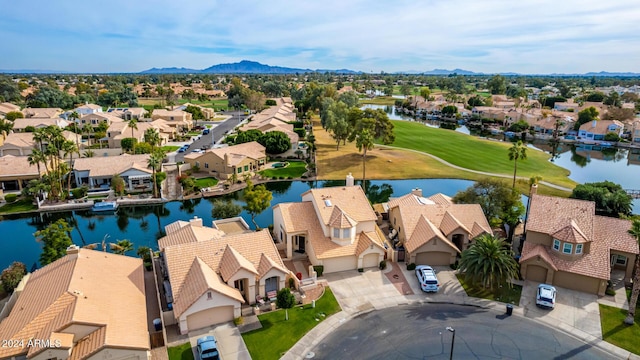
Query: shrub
{"points": [[383, 264], [79, 193], [10, 198], [292, 283], [238, 321], [360, 270], [319, 269], [411, 266], [610, 292], [12, 275]]}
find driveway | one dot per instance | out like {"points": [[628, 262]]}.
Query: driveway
{"points": [[230, 343], [573, 308]]}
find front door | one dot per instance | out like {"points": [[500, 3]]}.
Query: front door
{"points": [[301, 241], [239, 284], [271, 284]]}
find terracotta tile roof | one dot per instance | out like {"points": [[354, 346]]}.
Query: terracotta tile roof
{"points": [[42, 112], [232, 261], [530, 251], [615, 232], [235, 153], [266, 264], [180, 232], [595, 264], [600, 126], [549, 214], [23, 140], [571, 233], [351, 199], [450, 224], [100, 117], [339, 219], [111, 165], [7, 107], [21, 124], [440, 198], [86, 288], [366, 239], [18, 166], [425, 231], [200, 279], [410, 199]]}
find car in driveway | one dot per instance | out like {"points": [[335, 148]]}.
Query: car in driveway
{"points": [[208, 348], [546, 296], [427, 278]]}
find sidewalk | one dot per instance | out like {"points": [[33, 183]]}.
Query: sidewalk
{"points": [[355, 300]]}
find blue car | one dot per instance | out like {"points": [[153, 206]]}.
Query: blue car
{"points": [[182, 149], [208, 348], [205, 132]]}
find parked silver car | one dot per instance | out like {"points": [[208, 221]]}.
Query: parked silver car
{"points": [[546, 296], [427, 278]]}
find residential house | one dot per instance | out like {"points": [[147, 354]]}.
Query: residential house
{"points": [[87, 305], [212, 273], [224, 162], [566, 106], [118, 131], [96, 172], [567, 245], [433, 230], [15, 172], [20, 125], [6, 108], [127, 114], [87, 109], [597, 129], [208, 113], [334, 227], [175, 118], [635, 132], [276, 118], [94, 119], [22, 144], [42, 112]]}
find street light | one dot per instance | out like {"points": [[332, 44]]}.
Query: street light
{"points": [[453, 340]]}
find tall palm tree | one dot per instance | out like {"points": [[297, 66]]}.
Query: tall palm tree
{"points": [[364, 142], [36, 158], [68, 147], [88, 129], [76, 129], [121, 246], [133, 125], [155, 161], [488, 262], [517, 152], [633, 302], [152, 137]]}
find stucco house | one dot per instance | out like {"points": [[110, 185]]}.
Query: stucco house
{"points": [[597, 129], [335, 227], [213, 273], [22, 143], [20, 125], [96, 172], [87, 109], [118, 131], [7, 107], [41, 112], [567, 245], [15, 172], [175, 118], [86, 305], [94, 119], [223, 162], [635, 132], [433, 230], [276, 118]]}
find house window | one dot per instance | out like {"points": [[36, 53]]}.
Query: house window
{"points": [[281, 237], [579, 249], [209, 295], [336, 233], [567, 248], [346, 233], [556, 244], [621, 260], [239, 170], [206, 165], [246, 167]]}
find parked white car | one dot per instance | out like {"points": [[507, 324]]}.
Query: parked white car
{"points": [[427, 278], [546, 296]]}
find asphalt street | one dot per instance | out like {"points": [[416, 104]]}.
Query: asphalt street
{"points": [[217, 133], [420, 332]]}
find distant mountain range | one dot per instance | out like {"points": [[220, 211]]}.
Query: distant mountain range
{"points": [[243, 67]]}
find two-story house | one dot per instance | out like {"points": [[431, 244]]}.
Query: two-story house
{"points": [[87, 109], [597, 129], [175, 118], [224, 162]]}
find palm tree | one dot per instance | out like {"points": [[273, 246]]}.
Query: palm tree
{"points": [[121, 246], [89, 153], [133, 124], [364, 142], [152, 137], [37, 157], [88, 129], [488, 261], [517, 152], [155, 161], [633, 302], [68, 147], [74, 116]]}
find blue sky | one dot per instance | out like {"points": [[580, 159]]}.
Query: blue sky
{"points": [[530, 36]]}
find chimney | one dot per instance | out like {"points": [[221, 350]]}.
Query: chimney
{"points": [[350, 181], [73, 250], [417, 192], [534, 189], [593, 124], [196, 221]]}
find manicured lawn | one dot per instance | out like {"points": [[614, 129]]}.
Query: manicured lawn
{"points": [[181, 352], [278, 335], [18, 206], [379, 100], [614, 331], [170, 148], [477, 154], [206, 182], [295, 169], [193, 133], [505, 294]]}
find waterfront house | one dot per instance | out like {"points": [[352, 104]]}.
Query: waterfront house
{"points": [[597, 129], [15, 172], [86, 305], [224, 162], [22, 143], [96, 172]]}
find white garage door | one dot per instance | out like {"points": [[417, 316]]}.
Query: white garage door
{"points": [[210, 317], [433, 258], [340, 264], [370, 260]]}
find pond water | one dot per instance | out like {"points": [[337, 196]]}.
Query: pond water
{"points": [[143, 225], [395, 115]]}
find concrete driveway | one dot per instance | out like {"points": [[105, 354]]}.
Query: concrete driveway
{"points": [[573, 308], [230, 343]]}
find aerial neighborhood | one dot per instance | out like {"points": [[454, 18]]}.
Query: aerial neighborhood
{"points": [[200, 215]]}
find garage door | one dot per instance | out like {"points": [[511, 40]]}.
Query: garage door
{"points": [[370, 260], [433, 258], [14, 152], [576, 282], [210, 317], [340, 264], [536, 273]]}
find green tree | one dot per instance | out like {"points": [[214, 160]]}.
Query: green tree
{"points": [[497, 84], [74, 116], [133, 125], [449, 110], [117, 184], [12, 275], [285, 300], [587, 115], [12, 115], [224, 209], [364, 143], [56, 240], [87, 129], [152, 137], [494, 197], [155, 163], [247, 136], [425, 92], [488, 262], [610, 198], [633, 302], [406, 89], [275, 142], [257, 199], [69, 148], [349, 98], [517, 152], [144, 252], [128, 144], [121, 247], [196, 113]]}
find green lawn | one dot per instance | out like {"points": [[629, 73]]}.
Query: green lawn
{"points": [[181, 352], [379, 100], [21, 205], [170, 148], [277, 335], [614, 331], [477, 154], [505, 294], [295, 169], [206, 182]]}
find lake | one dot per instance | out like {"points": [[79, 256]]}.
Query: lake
{"points": [[143, 225], [395, 115]]}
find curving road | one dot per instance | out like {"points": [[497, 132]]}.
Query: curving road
{"points": [[419, 332]]}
